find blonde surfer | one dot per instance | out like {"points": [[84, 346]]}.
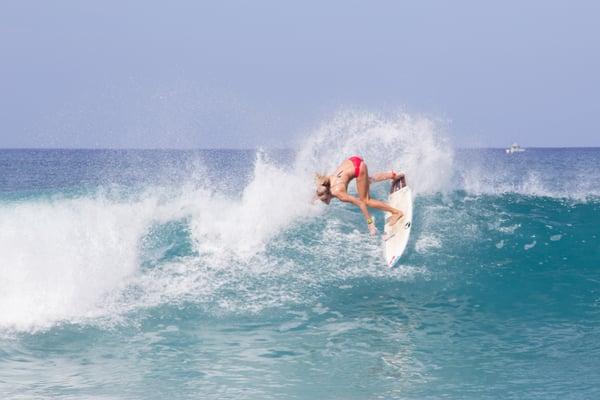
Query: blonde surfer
{"points": [[336, 185]]}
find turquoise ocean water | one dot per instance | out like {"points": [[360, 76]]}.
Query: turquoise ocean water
{"points": [[209, 274]]}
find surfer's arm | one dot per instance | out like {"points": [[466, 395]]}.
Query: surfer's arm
{"points": [[383, 176]]}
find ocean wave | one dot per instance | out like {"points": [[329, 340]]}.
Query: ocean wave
{"points": [[96, 258]]}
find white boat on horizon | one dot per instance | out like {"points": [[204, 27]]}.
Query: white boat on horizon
{"points": [[514, 148]]}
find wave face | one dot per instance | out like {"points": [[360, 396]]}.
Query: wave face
{"points": [[149, 274]]}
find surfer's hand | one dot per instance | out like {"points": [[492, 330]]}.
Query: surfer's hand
{"points": [[372, 229]]}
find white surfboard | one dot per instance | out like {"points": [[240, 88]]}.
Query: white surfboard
{"points": [[396, 236]]}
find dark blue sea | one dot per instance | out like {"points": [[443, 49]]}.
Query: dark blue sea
{"points": [[209, 274]]}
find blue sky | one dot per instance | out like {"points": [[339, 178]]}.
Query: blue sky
{"points": [[194, 74]]}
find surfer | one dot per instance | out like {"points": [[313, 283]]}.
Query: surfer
{"points": [[336, 185]]}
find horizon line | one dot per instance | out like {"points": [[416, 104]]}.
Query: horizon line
{"points": [[250, 149]]}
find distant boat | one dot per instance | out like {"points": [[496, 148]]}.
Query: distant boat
{"points": [[514, 148]]}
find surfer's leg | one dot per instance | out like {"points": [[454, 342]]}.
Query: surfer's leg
{"points": [[380, 205], [362, 187], [362, 183]]}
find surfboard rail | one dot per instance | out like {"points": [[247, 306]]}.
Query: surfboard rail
{"points": [[397, 235]]}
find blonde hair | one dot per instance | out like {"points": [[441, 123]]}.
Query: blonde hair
{"points": [[322, 180]]}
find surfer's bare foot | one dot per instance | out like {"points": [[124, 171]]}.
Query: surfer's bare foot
{"points": [[395, 217], [399, 177]]}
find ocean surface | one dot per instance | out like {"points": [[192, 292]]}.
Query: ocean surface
{"points": [[209, 274]]}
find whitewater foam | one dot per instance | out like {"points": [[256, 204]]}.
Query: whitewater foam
{"points": [[427, 242], [241, 227], [60, 257]]}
